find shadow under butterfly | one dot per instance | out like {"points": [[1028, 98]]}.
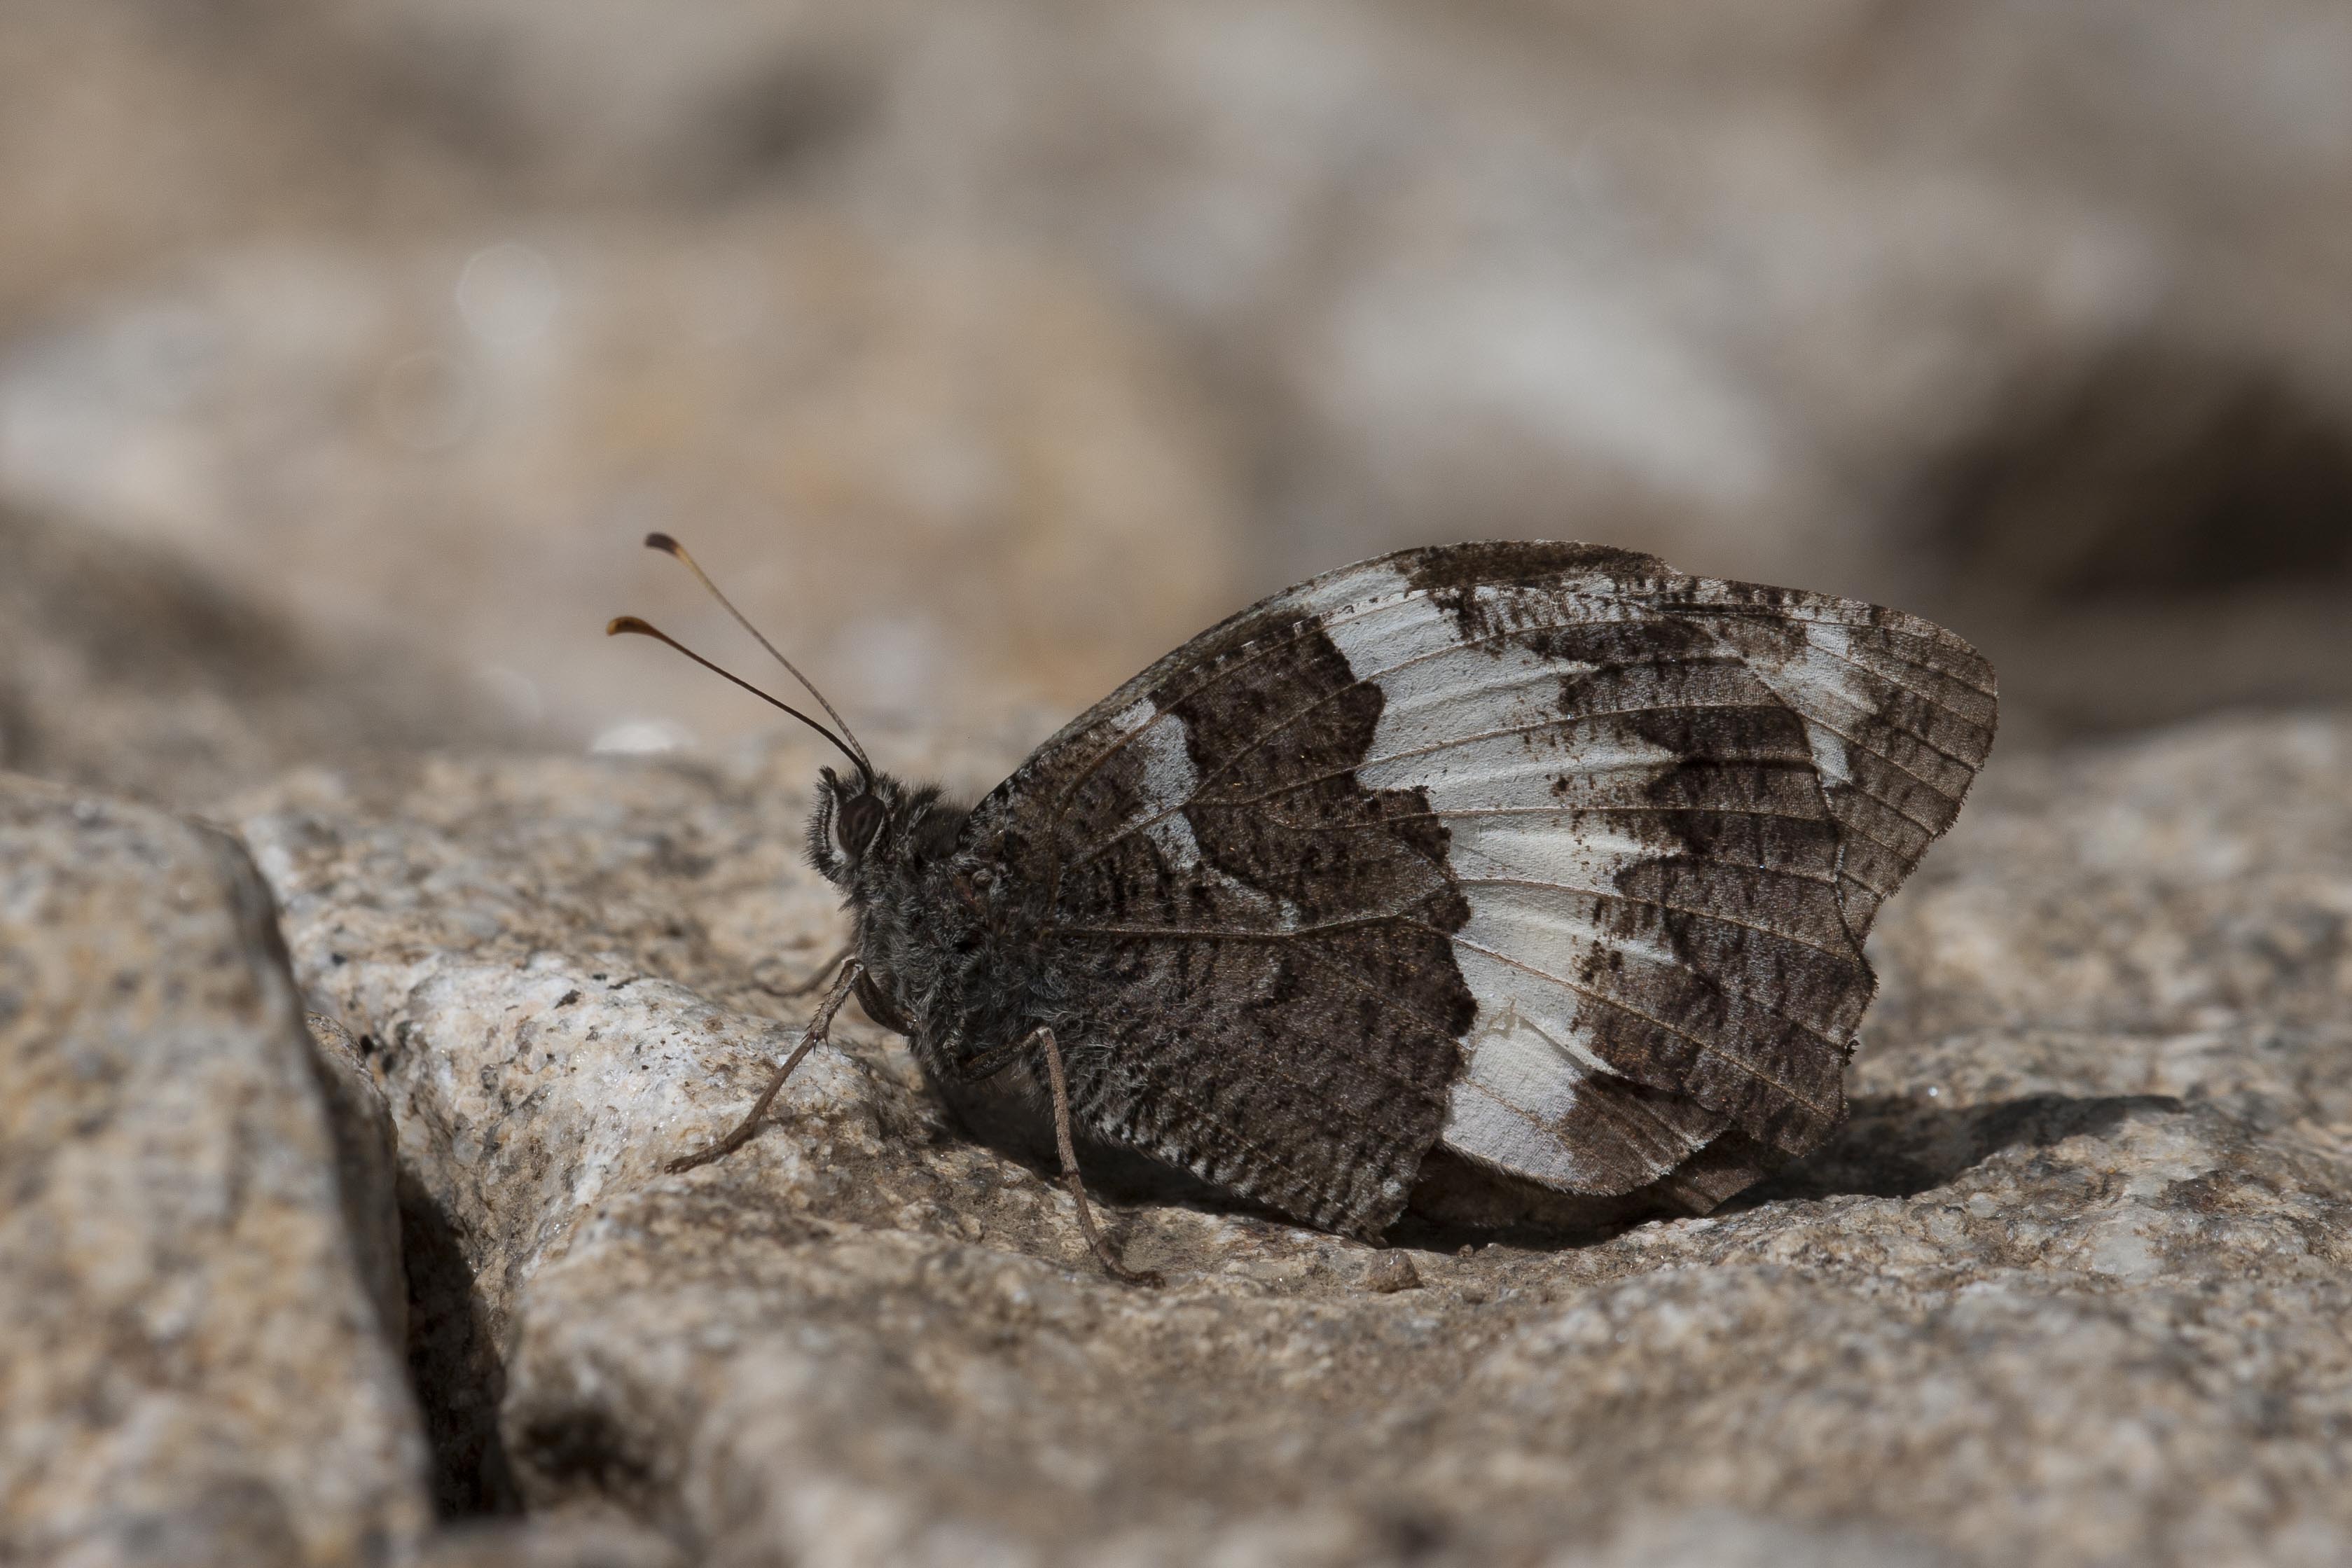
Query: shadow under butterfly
{"points": [[1515, 883]]}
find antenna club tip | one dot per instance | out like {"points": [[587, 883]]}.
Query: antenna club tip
{"points": [[663, 543], [620, 624]]}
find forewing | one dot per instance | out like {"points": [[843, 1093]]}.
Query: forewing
{"points": [[1546, 850]]}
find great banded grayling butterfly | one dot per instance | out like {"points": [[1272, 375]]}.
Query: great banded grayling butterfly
{"points": [[1540, 867]]}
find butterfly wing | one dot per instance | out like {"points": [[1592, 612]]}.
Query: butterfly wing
{"points": [[1545, 853]]}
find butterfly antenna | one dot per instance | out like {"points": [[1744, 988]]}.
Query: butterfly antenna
{"points": [[631, 624], [669, 546]]}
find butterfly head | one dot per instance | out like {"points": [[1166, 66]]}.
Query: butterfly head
{"points": [[853, 818], [865, 829]]}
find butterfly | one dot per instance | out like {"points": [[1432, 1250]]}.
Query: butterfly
{"points": [[1541, 861]]}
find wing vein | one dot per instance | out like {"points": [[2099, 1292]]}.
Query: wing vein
{"points": [[1818, 880], [1654, 904], [1758, 612], [1142, 825], [1743, 1064]]}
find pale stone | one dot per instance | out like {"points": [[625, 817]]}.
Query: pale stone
{"points": [[195, 1371], [2068, 1289]]}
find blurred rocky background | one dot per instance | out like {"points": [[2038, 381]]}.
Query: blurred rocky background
{"points": [[985, 350]]}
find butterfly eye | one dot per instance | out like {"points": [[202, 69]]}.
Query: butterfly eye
{"points": [[860, 818]]}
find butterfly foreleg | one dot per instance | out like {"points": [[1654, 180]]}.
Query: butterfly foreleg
{"points": [[823, 973], [1060, 1087], [819, 1026]]}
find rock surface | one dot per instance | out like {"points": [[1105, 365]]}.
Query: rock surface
{"points": [[367, 1168], [2070, 1288], [1008, 343], [195, 1372]]}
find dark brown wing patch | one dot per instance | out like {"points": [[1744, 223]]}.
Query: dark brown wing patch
{"points": [[1294, 982]]}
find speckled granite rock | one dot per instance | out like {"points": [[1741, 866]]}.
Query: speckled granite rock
{"points": [[2070, 1288], [190, 1368]]}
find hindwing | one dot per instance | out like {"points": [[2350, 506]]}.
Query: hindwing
{"points": [[1546, 853]]}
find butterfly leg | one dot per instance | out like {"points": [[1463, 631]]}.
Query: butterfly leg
{"points": [[811, 1038], [1061, 1088], [824, 973]]}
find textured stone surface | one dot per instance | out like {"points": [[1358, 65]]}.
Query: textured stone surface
{"points": [[996, 337], [367, 1170], [194, 1372], [2069, 1289]]}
